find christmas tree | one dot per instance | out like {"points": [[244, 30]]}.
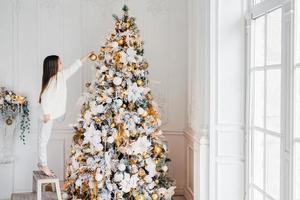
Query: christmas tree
{"points": [[117, 149]]}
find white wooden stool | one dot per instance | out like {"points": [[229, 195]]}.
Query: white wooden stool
{"points": [[39, 178]]}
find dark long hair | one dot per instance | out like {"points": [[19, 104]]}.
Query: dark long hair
{"points": [[50, 69]]}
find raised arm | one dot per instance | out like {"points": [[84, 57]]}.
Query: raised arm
{"points": [[75, 66], [72, 69]]}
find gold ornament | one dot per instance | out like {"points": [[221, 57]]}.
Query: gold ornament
{"points": [[157, 150], [127, 25], [145, 65], [145, 113], [117, 58], [93, 57], [121, 42], [139, 197], [119, 195], [9, 121], [154, 196], [119, 136], [156, 181], [118, 140], [132, 133], [132, 161], [112, 125], [142, 172], [97, 119], [130, 68], [124, 105], [161, 155], [145, 155], [131, 106], [139, 82], [149, 96]]}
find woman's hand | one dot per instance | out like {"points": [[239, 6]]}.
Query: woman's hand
{"points": [[46, 118], [84, 58]]}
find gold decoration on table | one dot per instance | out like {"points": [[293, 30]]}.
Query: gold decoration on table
{"points": [[9, 121]]}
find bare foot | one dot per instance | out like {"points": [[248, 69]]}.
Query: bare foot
{"points": [[46, 170]]}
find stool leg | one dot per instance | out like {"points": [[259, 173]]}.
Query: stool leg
{"points": [[58, 193], [39, 190], [52, 186]]}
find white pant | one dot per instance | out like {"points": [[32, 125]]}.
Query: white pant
{"points": [[43, 139]]}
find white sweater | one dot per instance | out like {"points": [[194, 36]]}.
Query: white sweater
{"points": [[54, 97]]}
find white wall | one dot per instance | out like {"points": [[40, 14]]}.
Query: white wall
{"points": [[227, 120], [33, 29], [216, 100]]}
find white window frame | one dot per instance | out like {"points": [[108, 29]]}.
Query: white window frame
{"points": [[287, 80]]}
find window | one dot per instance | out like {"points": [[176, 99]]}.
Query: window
{"points": [[296, 130], [274, 100], [265, 73]]}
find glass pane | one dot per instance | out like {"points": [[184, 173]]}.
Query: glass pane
{"points": [[297, 171], [257, 195], [259, 41], [259, 98], [257, 1], [297, 31], [274, 37], [273, 100], [258, 158], [297, 104], [273, 166]]}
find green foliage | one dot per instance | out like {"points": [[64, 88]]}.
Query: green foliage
{"points": [[125, 8]]}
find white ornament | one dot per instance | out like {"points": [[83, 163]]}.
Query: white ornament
{"points": [[165, 168], [117, 80], [78, 182], [99, 177], [114, 46], [140, 111], [118, 177], [121, 167], [110, 139]]}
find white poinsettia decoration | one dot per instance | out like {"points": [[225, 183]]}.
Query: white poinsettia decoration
{"points": [[134, 93], [129, 182], [140, 146], [151, 167], [115, 46], [95, 108]]}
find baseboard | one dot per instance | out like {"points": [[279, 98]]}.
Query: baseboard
{"points": [[188, 194], [179, 192]]}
